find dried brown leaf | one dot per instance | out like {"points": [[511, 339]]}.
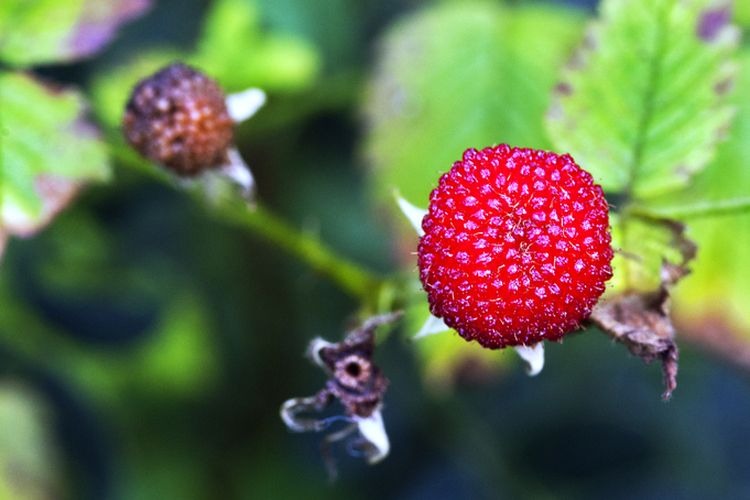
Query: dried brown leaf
{"points": [[641, 320]]}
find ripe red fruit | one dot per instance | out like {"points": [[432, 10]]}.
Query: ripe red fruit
{"points": [[516, 246], [179, 119]]}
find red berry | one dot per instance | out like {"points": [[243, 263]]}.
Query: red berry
{"points": [[178, 118], [516, 246]]}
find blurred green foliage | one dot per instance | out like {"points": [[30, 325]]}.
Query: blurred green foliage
{"points": [[644, 101], [231, 47], [721, 269], [461, 75], [155, 337], [28, 34], [46, 150], [48, 31], [27, 455]]}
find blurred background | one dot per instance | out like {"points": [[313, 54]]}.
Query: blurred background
{"points": [[145, 346]]}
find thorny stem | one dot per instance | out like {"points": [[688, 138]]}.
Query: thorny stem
{"points": [[349, 276]]}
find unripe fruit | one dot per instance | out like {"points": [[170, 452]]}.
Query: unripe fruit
{"points": [[516, 246], [178, 118]]}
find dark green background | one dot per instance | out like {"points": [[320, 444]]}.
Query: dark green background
{"points": [[591, 425]]}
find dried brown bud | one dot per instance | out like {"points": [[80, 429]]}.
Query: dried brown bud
{"points": [[355, 382], [178, 118]]}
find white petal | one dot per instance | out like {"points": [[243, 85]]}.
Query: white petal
{"points": [[245, 104], [287, 415], [238, 171], [373, 430], [533, 356], [414, 214], [313, 350], [432, 326]]}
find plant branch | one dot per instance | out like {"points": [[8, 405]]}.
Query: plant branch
{"points": [[349, 276], [732, 206]]}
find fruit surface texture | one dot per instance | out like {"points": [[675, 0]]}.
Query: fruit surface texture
{"points": [[179, 119], [516, 246]]}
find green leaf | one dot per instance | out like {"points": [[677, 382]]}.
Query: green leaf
{"points": [[644, 102], [457, 76], [234, 50], [691, 209], [742, 13], [724, 186], [47, 152], [710, 306], [338, 28], [641, 246], [53, 31]]}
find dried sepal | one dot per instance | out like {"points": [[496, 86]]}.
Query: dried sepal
{"points": [[412, 213], [533, 356], [432, 326], [641, 320], [357, 384], [243, 105]]}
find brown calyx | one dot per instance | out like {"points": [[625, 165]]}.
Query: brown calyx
{"points": [[356, 381]]}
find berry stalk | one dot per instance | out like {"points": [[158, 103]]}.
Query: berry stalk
{"points": [[347, 275], [695, 210], [350, 277]]}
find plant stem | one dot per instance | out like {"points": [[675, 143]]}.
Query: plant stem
{"points": [[732, 206], [349, 276]]}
